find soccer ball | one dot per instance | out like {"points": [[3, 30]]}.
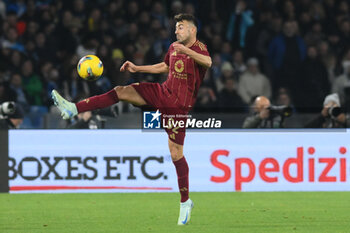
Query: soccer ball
{"points": [[90, 67]]}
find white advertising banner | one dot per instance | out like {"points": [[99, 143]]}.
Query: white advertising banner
{"points": [[138, 161]]}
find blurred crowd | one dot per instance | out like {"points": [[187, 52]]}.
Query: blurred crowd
{"points": [[292, 52]]}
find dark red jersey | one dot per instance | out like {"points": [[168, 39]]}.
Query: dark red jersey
{"points": [[185, 75]]}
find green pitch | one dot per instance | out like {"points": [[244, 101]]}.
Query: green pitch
{"points": [[158, 212]]}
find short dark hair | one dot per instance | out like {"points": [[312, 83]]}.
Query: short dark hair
{"points": [[187, 17]]}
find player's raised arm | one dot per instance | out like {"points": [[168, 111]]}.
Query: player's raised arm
{"points": [[152, 69], [201, 59]]}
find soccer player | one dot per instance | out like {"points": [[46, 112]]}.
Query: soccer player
{"points": [[186, 63]]}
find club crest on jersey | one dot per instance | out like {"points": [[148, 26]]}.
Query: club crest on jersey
{"points": [[179, 66]]}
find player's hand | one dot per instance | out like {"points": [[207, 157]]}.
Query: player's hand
{"points": [[128, 66], [180, 48]]}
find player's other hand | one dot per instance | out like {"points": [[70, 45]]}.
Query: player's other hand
{"points": [[179, 48], [128, 66]]}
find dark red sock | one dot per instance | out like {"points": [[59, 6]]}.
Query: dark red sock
{"points": [[182, 177], [98, 101]]}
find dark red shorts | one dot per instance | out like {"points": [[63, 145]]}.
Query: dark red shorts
{"points": [[159, 97]]}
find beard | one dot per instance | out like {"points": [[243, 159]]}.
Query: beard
{"points": [[183, 40]]}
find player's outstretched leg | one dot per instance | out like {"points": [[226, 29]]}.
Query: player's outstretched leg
{"points": [[125, 93], [182, 171], [69, 110]]}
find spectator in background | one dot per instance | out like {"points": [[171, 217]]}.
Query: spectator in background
{"points": [[5, 58], [283, 98], [32, 84], [288, 10], [329, 8], [143, 22], [226, 52], [176, 8], [41, 50], [31, 11], [227, 72], [118, 28], [286, 53], [215, 69], [342, 83], [132, 11], [261, 116], [11, 17], [50, 78], [15, 62], [305, 22], [117, 77], [2, 10], [31, 30], [253, 83], [6, 93], [159, 47], [142, 44], [344, 32], [323, 50], [79, 9], [342, 10], [189, 9], [206, 99], [316, 35], [272, 29], [334, 42], [229, 100], [330, 116], [94, 20], [11, 40], [89, 46], [317, 12], [216, 43], [330, 62], [16, 86], [209, 82], [131, 36], [30, 51], [158, 13], [238, 62], [313, 84], [254, 32], [240, 20]]}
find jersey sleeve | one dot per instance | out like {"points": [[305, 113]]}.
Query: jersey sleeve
{"points": [[201, 48]]}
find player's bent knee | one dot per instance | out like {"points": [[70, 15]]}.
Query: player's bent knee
{"points": [[176, 157], [129, 94], [122, 92], [176, 151], [119, 90]]}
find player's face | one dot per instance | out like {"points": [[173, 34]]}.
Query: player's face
{"points": [[183, 31]]}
